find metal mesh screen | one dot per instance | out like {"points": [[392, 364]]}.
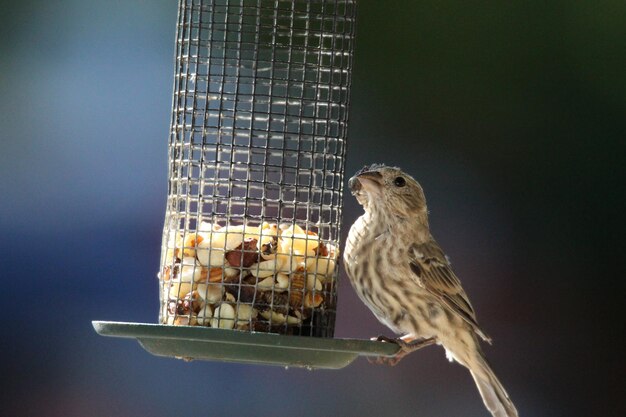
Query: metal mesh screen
{"points": [[256, 152]]}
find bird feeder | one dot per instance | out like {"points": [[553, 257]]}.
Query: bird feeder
{"points": [[250, 247]]}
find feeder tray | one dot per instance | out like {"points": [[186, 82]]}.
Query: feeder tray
{"points": [[201, 343], [250, 254]]}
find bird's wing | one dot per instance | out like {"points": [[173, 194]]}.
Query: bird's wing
{"points": [[432, 271]]}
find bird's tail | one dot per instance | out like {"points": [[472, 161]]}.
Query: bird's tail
{"points": [[494, 395]]}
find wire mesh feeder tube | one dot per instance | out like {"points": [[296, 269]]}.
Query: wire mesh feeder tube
{"points": [[256, 152]]}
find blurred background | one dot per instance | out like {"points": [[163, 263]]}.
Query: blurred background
{"points": [[510, 114]]}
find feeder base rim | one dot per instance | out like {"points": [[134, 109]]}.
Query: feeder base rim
{"points": [[205, 343]]}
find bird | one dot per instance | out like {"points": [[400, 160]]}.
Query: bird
{"points": [[401, 273]]}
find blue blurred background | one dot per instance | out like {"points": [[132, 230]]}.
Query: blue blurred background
{"points": [[510, 114]]}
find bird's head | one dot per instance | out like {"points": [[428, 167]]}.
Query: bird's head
{"points": [[388, 190]]}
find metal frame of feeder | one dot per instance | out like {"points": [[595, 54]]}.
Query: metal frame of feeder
{"points": [[258, 130]]}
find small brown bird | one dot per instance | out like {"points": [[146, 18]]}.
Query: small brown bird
{"points": [[403, 276]]}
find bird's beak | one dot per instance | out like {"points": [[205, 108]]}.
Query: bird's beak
{"points": [[369, 181]]}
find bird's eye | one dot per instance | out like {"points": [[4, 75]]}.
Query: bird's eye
{"points": [[399, 182]]}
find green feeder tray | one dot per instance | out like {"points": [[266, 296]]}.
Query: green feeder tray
{"points": [[204, 343]]}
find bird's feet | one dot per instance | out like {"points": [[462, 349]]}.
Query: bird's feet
{"points": [[406, 347]]}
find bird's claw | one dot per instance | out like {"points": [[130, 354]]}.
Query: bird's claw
{"points": [[382, 338], [405, 349]]}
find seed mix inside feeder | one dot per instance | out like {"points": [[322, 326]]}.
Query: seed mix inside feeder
{"points": [[249, 259]]}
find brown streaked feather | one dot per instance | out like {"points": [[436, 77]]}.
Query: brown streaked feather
{"points": [[432, 272]]}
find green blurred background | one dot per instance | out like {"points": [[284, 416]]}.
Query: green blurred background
{"points": [[510, 114]]}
